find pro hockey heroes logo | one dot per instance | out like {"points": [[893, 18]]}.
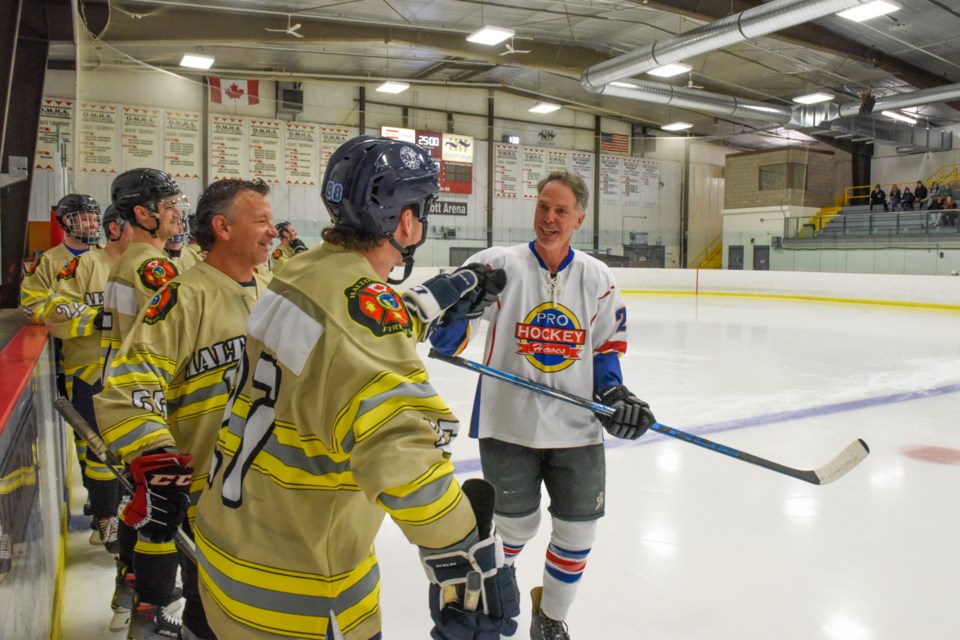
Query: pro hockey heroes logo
{"points": [[550, 337]]}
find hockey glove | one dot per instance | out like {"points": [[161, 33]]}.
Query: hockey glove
{"points": [[161, 494], [490, 613], [298, 245], [98, 320], [633, 416], [490, 282]]}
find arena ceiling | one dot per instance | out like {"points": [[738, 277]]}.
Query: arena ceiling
{"points": [[423, 42]]}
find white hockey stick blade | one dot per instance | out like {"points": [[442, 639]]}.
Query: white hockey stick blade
{"points": [[855, 453]]}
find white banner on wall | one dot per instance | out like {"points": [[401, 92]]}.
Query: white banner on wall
{"points": [[650, 183], [610, 179], [558, 160], [181, 143], [266, 149], [141, 137], [330, 140], [300, 153], [457, 148], [97, 138], [534, 169], [582, 164], [631, 182], [227, 148], [506, 171], [54, 135]]}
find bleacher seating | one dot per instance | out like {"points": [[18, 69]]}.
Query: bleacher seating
{"points": [[858, 221]]}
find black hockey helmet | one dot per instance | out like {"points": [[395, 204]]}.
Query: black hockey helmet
{"points": [[281, 227], [112, 215], [370, 181], [69, 211], [141, 187]]}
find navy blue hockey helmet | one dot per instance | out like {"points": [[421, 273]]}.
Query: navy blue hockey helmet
{"points": [[141, 187], [370, 181]]}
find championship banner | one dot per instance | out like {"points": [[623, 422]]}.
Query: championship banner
{"points": [[54, 134], [181, 143], [227, 152], [299, 153], [266, 149], [97, 138], [141, 137]]}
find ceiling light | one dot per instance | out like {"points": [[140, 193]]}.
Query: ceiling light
{"points": [[393, 87], [870, 10], [899, 116], [196, 61], [623, 85], [669, 70], [676, 126], [543, 107], [813, 98], [491, 35]]}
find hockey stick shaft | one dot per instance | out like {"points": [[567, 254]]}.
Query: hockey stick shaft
{"points": [[846, 460], [84, 429]]}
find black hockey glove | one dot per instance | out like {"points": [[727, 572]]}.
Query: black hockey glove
{"points": [[98, 320], [458, 611], [633, 416], [297, 245], [490, 282], [161, 494]]}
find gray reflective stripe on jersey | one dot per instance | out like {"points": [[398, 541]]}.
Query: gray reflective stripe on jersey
{"points": [[122, 297], [196, 398], [116, 370], [83, 326], [289, 603], [425, 495], [128, 440], [284, 327]]}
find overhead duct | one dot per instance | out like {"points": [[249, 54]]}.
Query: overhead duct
{"points": [[703, 101], [945, 93], [752, 23]]}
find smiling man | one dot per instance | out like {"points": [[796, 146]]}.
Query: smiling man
{"points": [[560, 321], [166, 389]]}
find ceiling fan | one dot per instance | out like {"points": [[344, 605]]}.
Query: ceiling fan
{"points": [[290, 30], [690, 84], [511, 50]]}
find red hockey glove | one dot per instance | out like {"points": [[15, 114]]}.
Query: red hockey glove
{"points": [[161, 495]]}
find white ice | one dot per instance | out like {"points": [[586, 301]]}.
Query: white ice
{"points": [[699, 546]]}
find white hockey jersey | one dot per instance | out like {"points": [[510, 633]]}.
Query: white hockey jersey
{"points": [[548, 329]]}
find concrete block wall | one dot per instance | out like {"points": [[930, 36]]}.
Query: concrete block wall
{"points": [[742, 173]]}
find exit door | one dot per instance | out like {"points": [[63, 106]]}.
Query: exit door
{"points": [[735, 257]]}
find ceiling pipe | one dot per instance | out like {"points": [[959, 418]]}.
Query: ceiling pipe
{"points": [[752, 23], [944, 93], [703, 101]]}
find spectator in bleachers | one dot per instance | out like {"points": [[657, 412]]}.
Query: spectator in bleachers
{"points": [[949, 218], [895, 197], [935, 192], [920, 195], [936, 206], [878, 196], [906, 202]]}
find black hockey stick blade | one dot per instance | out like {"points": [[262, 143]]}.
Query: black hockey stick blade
{"points": [[483, 499], [86, 431], [842, 463]]}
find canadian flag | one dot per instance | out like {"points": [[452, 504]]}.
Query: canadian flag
{"points": [[235, 92]]}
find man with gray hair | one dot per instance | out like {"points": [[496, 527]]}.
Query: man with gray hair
{"points": [[559, 321]]}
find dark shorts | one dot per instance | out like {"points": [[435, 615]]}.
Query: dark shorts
{"points": [[575, 479]]}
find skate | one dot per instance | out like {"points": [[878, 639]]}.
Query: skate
{"points": [[106, 533], [542, 627], [122, 603], [152, 622]]}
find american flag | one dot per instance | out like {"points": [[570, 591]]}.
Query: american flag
{"points": [[614, 143]]}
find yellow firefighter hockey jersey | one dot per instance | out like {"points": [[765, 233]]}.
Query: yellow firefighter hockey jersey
{"points": [[169, 382], [70, 311], [38, 280], [279, 257], [133, 281], [332, 424]]}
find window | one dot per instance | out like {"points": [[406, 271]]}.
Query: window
{"points": [[786, 175]]}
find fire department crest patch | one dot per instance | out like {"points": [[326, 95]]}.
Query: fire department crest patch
{"points": [[30, 266], [377, 307], [161, 304], [156, 272], [277, 253], [69, 270]]}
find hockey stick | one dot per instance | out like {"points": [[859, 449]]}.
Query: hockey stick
{"points": [[846, 460], [83, 428]]}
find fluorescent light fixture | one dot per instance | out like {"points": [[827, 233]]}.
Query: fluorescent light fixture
{"points": [[899, 116], [543, 107], [196, 61], [813, 98], [623, 85], [669, 70], [870, 10], [491, 35], [393, 87], [676, 126]]}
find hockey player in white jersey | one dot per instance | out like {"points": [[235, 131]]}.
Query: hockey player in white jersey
{"points": [[560, 321]]}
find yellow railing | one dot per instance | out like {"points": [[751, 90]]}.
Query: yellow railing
{"points": [[819, 220], [946, 175]]}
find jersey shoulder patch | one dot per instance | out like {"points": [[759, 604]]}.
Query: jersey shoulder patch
{"points": [[277, 253], [156, 272], [69, 270], [162, 304], [30, 267], [377, 307]]}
